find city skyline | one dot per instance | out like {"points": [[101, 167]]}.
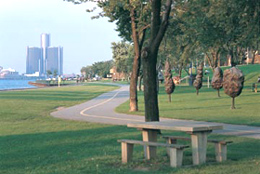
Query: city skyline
{"points": [[85, 41], [44, 58]]}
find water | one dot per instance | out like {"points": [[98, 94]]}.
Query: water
{"points": [[15, 84]]}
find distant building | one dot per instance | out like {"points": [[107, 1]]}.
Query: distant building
{"points": [[45, 43], [40, 60], [8, 73], [54, 60], [116, 75], [36, 74], [34, 60]]}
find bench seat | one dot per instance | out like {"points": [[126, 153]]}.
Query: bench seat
{"points": [[220, 145], [175, 150]]}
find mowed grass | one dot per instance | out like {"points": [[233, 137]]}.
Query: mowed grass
{"points": [[31, 141], [207, 106]]}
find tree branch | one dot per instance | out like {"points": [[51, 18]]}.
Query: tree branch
{"points": [[142, 39], [156, 19], [210, 64], [163, 25], [135, 35]]}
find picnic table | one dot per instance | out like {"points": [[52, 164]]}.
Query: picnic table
{"points": [[198, 132]]}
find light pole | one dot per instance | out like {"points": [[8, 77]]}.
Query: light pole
{"points": [[207, 73]]}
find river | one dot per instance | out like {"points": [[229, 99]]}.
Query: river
{"points": [[14, 84]]}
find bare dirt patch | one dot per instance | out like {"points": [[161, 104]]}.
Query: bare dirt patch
{"points": [[60, 108]]}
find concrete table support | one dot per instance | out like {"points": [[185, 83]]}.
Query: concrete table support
{"points": [[127, 152], [149, 136], [199, 147]]}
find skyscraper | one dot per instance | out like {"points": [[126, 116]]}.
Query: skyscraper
{"points": [[44, 58], [33, 60], [45, 43], [54, 59]]}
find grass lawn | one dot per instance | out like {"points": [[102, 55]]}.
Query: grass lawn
{"points": [[207, 106], [33, 142]]}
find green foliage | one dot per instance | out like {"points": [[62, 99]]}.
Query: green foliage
{"points": [[87, 71], [55, 73], [49, 73], [102, 68], [123, 55]]}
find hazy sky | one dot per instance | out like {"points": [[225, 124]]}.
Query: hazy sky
{"points": [[84, 41]]}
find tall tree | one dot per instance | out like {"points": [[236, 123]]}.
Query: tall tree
{"points": [[149, 56], [137, 12]]}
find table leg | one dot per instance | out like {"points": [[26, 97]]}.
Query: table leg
{"points": [[149, 135], [199, 147]]}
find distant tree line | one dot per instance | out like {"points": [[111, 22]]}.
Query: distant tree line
{"points": [[101, 69]]}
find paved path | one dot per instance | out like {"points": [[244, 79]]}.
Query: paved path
{"points": [[101, 110]]}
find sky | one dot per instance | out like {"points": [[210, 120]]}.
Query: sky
{"points": [[84, 40]]}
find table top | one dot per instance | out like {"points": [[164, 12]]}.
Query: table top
{"points": [[175, 126]]}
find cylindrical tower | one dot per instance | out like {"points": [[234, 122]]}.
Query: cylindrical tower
{"points": [[45, 40], [45, 43]]}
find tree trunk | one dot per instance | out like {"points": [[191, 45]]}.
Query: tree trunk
{"points": [[232, 58], [136, 65], [140, 82], [133, 85], [138, 44], [218, 93], [149, 56], [209, 61], [180, 70], [150, 87], [219, 60], [170, 98], [253, 58], [233, 103]]}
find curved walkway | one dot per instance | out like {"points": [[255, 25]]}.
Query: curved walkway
{"points": [[101, 110]]}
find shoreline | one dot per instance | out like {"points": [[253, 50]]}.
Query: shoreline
{"points": [[21, 89], [67, 85], [17, 89]]}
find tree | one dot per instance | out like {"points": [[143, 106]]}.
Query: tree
{"points": [[87, 71], [123, 57], [130, 14], [217, 79], [149, 56], [49, 73], [169, 84], [224, 27], [102, 68], [55, 73], [233, 83], [198, 81]]}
